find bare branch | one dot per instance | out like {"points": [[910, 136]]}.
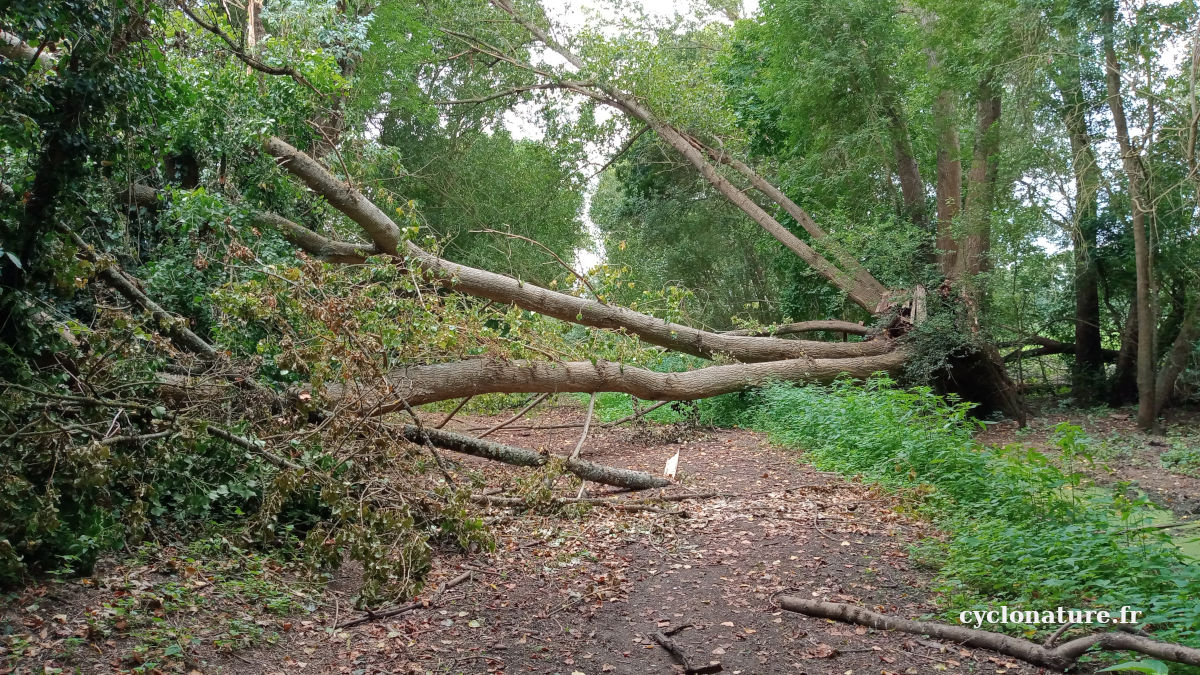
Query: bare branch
{"points": [[542, 246], [1059, 658]]}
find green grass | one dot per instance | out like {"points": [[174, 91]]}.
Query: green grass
{"points": [[611, 407], [1022, 530]]}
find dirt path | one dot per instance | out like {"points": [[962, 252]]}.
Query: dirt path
{"points": [[584, 592]]}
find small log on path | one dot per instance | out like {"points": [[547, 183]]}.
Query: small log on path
{"points": [[509, 454], [1058, 658]]}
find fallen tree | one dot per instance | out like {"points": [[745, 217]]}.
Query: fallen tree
{"points": [[417, 385], [1058, 658]]}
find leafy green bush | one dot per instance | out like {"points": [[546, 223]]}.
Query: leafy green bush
{"points": [[1022, 529]]}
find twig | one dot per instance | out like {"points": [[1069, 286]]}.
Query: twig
{"points": [[587, 421], [516, 417], [243, 56], [547, 250], [620, 151], [669, 645], [432, 602], [252, 446], [437, 457], [454, 412], [113, 440], [1057, 634]]}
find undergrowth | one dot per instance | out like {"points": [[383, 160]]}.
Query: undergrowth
{"points": [[1023, 531]]}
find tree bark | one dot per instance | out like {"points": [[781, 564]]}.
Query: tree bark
{"points": [[13, 47], [912, 188], [1134, 173], [416, 385], [949, 180], [1179, 356], [829, 326], [1088, 372], [981, 185], [1124, 385]]}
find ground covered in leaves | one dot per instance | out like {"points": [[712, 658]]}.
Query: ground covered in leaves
{"points": [[576, 590]]}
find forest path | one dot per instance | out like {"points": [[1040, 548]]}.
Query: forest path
{"points": [[584, 593]]}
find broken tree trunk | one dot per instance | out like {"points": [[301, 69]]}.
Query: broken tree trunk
{"points": [[417, 385], [1058, 658], [509, 454]]}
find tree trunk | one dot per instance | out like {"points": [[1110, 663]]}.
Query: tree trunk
{"points": [[949, 180], [1179, 356], [1124, 386], [912, 188], [1134, 173], [1088, 373], [416, 385], [981, 185]]}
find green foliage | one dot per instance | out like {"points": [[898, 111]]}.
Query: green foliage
{"points": [[1022, 530], [1147, 666], [1182, 457]]}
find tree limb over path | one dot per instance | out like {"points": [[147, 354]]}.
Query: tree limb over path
{"points": [[426, 384], [1058, 658], [499, 288]]}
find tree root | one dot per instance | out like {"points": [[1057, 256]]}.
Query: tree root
{"points": [[1058, 658]]}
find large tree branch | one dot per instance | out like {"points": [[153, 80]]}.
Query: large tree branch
{"points": [[421, 384], [562, 306], [175, 327], [854, 280], [318, 245], [801, 217], [13, 47], [1059, 658]]}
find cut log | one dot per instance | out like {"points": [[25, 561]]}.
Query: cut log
{"points": [[590, 471], [1058, 658]]}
